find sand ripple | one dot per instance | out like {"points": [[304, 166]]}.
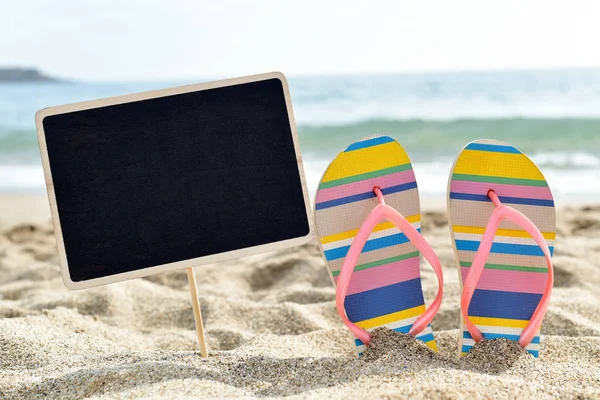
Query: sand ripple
{"points": [[273, 330]]}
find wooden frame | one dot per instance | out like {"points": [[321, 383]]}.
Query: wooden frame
{"points": [[62, 257]]}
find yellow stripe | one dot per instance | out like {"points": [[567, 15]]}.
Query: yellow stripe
{"points": [[379, 227], [505, 322], [366, 160], [393, 317], [432, 345], [489, 163], [500, 232]]}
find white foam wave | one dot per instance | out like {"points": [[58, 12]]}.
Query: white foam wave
{"points": [[580, 181], [566, 160], [21, 178]]}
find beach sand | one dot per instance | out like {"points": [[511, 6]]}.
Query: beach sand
{"points": [[273, 329]]}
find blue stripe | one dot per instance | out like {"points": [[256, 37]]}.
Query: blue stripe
{"points": [[490, 336], [467, 347], [399, 188], [384, 300], [369, 143], [373, 244], [364, 196], [501, 304], [426, 338], [503, 199], [493, 147], [504, 248]]}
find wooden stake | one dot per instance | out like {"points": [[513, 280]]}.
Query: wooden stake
{"points": [[197, 313]]}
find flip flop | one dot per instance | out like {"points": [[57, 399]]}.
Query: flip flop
{"points": [[503, 225], [374, 263]]}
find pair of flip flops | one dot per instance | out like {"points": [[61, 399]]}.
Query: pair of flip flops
{"points": [[502, 222]]}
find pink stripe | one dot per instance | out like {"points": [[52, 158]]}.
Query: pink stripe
{"points": [[367, 185], [502, 190], [384, 275], [510, 281]]}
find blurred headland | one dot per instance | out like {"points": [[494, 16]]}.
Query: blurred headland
{"points": [[20, 74]]}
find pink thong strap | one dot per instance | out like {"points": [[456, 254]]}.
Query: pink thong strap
{"points": [[504, 212], [380, 212]]}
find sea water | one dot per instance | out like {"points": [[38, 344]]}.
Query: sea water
{"points": [[553, 116]]}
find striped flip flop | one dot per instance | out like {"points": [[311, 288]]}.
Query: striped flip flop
{"points": [[368, 219], [503, 225]]}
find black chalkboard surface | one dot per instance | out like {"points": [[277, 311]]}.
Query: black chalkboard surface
{"points": [[151, 182]]}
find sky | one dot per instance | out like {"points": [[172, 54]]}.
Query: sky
{"points": [[112, 40]]}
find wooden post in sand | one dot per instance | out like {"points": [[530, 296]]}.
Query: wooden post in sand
{"points": [[197, 312]]}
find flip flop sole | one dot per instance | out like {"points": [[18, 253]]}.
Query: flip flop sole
{"points": [[385, 289], [516, 272]]}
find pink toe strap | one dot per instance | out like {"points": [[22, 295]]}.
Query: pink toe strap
{"points": [[504, 212], [380, 212]]}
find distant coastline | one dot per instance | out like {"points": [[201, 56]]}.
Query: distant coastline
{"points": [[24, 75]]}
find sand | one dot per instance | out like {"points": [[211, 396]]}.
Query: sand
{"points": [[273, 330]]}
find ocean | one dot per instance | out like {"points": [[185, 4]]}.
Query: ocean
{"points": [[553, 116]]}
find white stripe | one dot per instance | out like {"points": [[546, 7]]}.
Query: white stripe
{"points": [[500, 239], [424, 332], [373, 235], [397, 324], [501, 330]]}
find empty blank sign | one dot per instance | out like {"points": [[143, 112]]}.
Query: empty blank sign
{"points": [[171, 178]]}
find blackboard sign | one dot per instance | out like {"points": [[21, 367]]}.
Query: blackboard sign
{"points": [[152, 182]]}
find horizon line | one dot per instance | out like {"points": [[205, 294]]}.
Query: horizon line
{"points": [[441, 71]]}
